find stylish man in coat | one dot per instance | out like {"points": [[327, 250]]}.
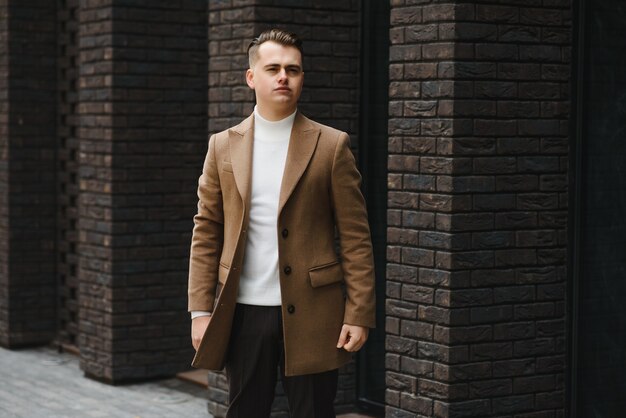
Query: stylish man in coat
{"points": [[266, 285]]}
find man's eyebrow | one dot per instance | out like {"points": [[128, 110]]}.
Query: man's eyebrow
{"points": [[290, 66]]}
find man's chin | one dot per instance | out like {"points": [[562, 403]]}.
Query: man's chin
{"points": [[284, 101]]}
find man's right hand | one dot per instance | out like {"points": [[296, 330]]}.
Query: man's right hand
{"points": [[198, 327]]}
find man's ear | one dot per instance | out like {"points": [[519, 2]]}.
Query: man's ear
{"points": [[250, 78]]}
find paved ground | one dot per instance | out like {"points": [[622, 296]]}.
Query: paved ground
{"points": [[40, 383]]}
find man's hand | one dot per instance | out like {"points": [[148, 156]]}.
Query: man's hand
{"points": [[352, 337], [198, 327]]}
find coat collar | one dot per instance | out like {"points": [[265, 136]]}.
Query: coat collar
{"points": [[302, 143]]}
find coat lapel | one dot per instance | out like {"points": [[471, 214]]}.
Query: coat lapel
{"points": [[304, 136], [241, 142]]}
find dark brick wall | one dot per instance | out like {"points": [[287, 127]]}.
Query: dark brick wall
{"points": [[478, 208], [4, 173], [27, 183], [231, 27], [142, 139], [330, 31]]}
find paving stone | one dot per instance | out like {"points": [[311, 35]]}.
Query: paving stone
{"points": [[40, 382]]}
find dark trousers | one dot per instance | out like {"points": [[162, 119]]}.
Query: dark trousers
{"points": [[255, 352]]}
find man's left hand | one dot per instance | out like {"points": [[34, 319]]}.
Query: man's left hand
{"points": [[352, 337]]}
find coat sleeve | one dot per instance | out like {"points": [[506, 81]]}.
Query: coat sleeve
{"points": [[355, 244], [208, 237]]}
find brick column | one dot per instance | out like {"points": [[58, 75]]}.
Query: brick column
{"points": [[27, 172], [477, 209], [142, 140], [330, 31]]}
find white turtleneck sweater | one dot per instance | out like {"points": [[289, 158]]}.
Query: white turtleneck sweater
{"points": [[259, 283]]}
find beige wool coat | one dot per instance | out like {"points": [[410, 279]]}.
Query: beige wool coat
{"points": [[320, 289]]}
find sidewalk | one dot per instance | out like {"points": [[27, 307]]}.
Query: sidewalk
{"points": [[41, 383]]}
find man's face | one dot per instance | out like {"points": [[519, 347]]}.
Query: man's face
{"points": [[276, 79]]}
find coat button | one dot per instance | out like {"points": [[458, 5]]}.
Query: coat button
{"points": [[287, 270], [285, 233], [291, 309]]}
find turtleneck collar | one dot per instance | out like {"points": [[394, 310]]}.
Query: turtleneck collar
{"points": [[272, 131], [272, 124]]}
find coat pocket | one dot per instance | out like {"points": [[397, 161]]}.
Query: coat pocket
{"points": [[326, 274]]}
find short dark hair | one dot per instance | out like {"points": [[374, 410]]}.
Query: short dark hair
{"points": [[279, 36]]}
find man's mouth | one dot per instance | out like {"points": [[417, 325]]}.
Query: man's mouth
{"points": [[282, 89]]}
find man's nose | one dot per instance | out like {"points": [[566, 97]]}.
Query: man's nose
{"points": [[282, 75]]}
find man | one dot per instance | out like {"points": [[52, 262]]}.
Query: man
{"points": [[266, 286]]}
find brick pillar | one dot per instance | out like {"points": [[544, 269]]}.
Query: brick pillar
{"points": [[477, 208], [142, 110], [27, 167], [330, 31]]}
